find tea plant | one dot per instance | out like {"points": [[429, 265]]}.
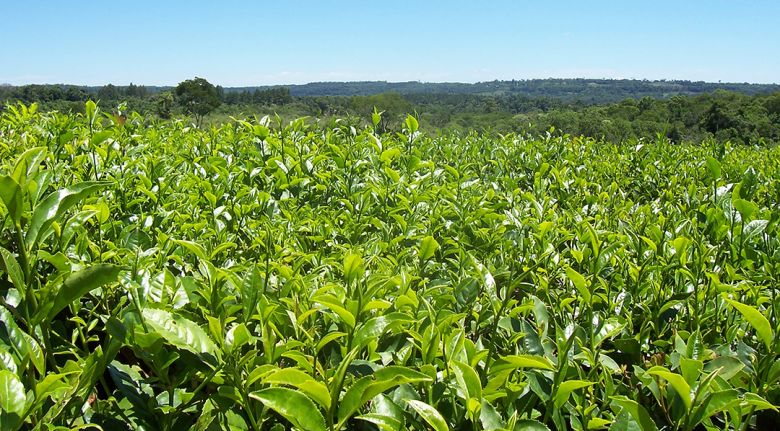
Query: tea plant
{"points": [[267, 276]]}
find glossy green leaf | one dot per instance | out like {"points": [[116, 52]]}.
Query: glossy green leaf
{"points": [[530, 425], [100, 137], [713, 167], [755, 319], [193, 248], [637, 412], [14, 271], [411, 124], [54, 206], [522, 361], [317, 391], [579, 282], [384, 423], [566, 388], [716, 402], [16, 338], [677, 381], [428, 247], [293, 406], [28, 164], [12, 393], [754, 228], [333, 304], [757, 401], [368, 387], [376, 326], [489, 417], [429, 414], [238, 336], [469, 379], [80, 283], [179, 331], [353, 267], [11, 196]]}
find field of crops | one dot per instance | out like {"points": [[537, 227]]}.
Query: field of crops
{"points": [[274, 276]]}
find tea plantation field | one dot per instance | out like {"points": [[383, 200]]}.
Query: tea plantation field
{"points": [[274, 276]]}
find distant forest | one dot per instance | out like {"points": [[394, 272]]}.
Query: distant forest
{"points": [[611, 109]]}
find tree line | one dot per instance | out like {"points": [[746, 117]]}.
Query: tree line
{"points": [[748, 117]]}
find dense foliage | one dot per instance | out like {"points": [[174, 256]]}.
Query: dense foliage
{"points": [[158, 276], [680, 111], [590, 91], [198, 97]]}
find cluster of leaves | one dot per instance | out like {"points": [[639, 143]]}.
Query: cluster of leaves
{"points": [[158, 276]]}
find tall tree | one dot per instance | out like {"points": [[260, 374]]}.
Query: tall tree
{"points": [[198, 97]]}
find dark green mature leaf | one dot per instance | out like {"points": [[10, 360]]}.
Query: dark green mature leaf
{"points": [[179, 331], [293, 406], [14, 271], [715, 403], [530, 425], [466, 291], [637, 412], [80, 283], [376, 326], [489, 418], [92, 368], [23, 344], [366, 388], [727, 366], [56, 204]]}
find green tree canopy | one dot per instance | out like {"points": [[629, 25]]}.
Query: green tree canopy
{"points": [[198, 97]]}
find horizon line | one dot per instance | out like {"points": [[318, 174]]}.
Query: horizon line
{"points": [[672, 80]]}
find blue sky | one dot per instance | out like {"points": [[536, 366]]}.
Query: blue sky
{"points": [[235, 43]]}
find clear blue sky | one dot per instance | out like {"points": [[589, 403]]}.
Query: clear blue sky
{"points": [[235, 43]]}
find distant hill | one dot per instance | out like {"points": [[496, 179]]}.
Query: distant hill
{"points": [[583, 90]]}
